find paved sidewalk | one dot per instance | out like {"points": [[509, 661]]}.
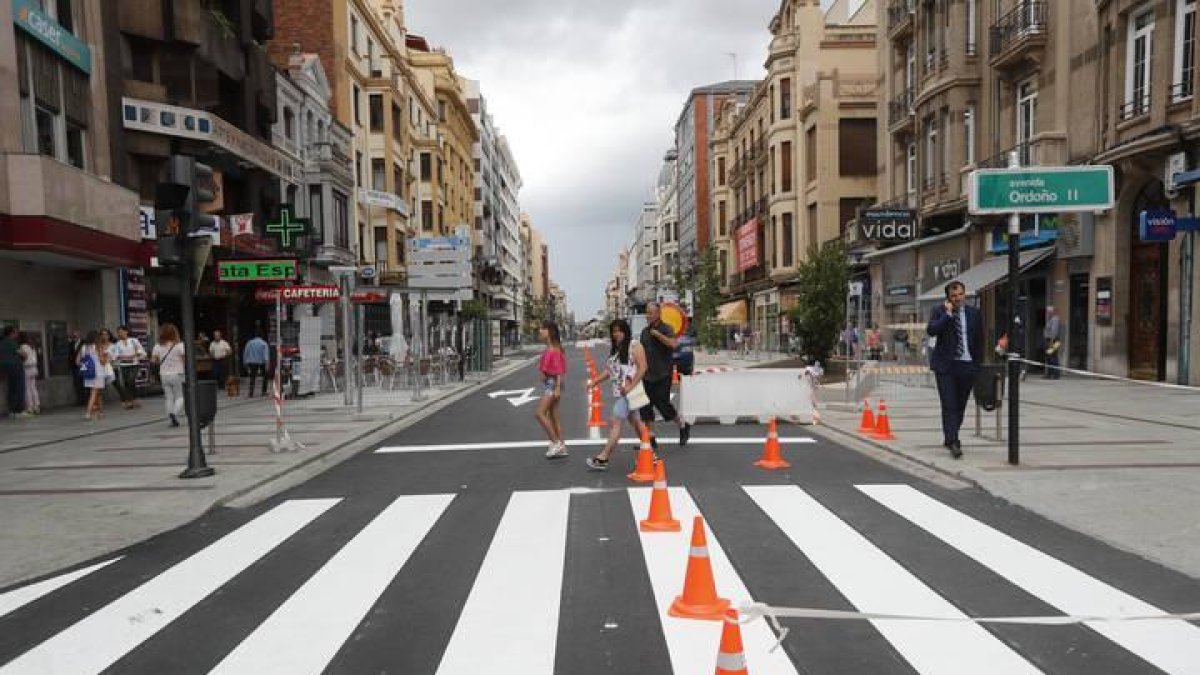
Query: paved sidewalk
{"points": [[1119, 461], [71, 489]]}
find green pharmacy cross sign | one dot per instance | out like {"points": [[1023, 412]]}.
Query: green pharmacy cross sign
{"points": [[288, 228]]}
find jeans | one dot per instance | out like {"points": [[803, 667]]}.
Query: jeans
{"points": [[15, 377], [172, 384], [659, 393], [254, 370], [127, 383], [954, 389], [220, 371]]}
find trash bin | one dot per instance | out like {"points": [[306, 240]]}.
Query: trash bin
{"points": [[988, 385], [206, 402]]}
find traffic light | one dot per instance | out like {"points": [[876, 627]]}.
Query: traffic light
{"points": [[199, 178], [170, 221]]}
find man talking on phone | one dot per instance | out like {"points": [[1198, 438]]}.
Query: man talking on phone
{"points": [[958, 328]]}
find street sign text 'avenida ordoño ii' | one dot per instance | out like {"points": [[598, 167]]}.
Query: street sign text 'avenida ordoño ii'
{"points": [[1043, 189]]}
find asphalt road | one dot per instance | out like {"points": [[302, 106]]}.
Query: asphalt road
{"points": [[445, 559]]}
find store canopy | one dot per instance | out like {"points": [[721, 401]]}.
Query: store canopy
{"points": [[732, 313], [988, 273]]}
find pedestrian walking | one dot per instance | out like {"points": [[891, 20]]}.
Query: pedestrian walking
{"points": [[553, 367], [104, 344], [169, 356], [220, 351], [91, 369], [1052, 337], [29, 359], [874, 343], [255, 357], [659, 342], [76, 343], [12, 369], [625, 367], [900, 337], [127, 353], [957, 355]]}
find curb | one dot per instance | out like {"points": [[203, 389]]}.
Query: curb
{"points": [[955, 475], [350, 447]]}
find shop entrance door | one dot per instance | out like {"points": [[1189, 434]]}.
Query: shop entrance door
{"points": [[1077, 329], [1147, 293]]}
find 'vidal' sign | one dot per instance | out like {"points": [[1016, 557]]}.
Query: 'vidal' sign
{"points": [[882, 225]]}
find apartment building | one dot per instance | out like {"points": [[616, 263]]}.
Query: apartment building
{"points": [[972, 85], [667, 225], [794, 162]]}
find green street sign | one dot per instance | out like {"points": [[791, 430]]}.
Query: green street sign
{"points": [[235, 271], [1043, 189], [288, 228]]}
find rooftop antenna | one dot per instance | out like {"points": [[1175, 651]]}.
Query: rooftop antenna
{"points": [[734, 56]]}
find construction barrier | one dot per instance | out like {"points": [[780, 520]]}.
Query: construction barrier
{"points": [[783, 393]]}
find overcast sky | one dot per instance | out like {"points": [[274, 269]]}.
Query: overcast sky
{"points": [[588, 93]]}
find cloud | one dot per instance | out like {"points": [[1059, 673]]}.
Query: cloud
{"points": [[588, 94]]}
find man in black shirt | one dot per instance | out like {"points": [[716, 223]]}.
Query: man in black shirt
{"points": [[659, 342]]}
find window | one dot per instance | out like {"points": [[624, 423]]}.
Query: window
{"points": [[969, 135], [381, 247], [774, 242], [75, 145], [371, 61], [1026, 117], [341, 220], [62, 14], [773, 172], [289, 123], [1185, 50], [378, 176], [376, 112], [722, 218], [856, 147], [426, 215], [354, 33], [442, 110], [316, 212], [931, 154], [46, 144], [357, 106], [785, 98], [810, 154], [397, 179], [721, 171], [971, 30], [910, 175], [397, 120], [358, 168], [772, 106], [1137, 64], [785, 165], [813, 236], [788, 243], [426, 167]]}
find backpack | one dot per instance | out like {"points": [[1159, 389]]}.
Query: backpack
{"points": [[87, 367]]}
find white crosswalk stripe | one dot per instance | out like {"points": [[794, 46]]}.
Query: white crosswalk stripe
{"points": [[511, 618], [874, 582], [305, 633], [1173, 646], [99, 640]]}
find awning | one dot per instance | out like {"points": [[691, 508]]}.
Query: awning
{"points": [[989, 272], [1187, 177], [732, 313]]}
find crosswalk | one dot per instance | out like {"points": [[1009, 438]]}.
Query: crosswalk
{"points": [[510, 616]]}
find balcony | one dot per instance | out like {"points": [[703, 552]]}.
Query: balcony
{"points": [[900, 18], [1019, 36], [760, 152], [1134, 109], [1044, 149], [900, 111]]}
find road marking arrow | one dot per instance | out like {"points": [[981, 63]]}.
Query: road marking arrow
{"points": [[517, 397]]}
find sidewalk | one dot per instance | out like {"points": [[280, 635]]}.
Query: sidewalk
{"points": [[71, 489], [1119, 461]]}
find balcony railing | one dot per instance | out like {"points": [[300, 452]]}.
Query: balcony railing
{"points": [[1182, 91], [899, 11], [1026, 20], [1000, 160], [900, 108], [1135, 108]]}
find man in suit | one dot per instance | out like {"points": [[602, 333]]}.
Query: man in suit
{"points": [[956, 359]]}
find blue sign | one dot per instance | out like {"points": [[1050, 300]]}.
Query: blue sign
{"points": [[1036, 230], [1157, 225], [1187, 224], [28, 15], [439, 244]]}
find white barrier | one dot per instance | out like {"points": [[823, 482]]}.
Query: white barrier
{"points": [[784, 393]]}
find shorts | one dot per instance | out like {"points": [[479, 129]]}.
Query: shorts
{"points": [[548, 385], [620, 409], [659, 393]]}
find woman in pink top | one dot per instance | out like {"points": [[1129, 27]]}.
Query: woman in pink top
{"points": [[553, 366]]}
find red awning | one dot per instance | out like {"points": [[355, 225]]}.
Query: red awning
{"points": [[52, 236]]}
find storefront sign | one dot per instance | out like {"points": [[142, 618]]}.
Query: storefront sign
{"points": [[288, 229], [439, 244], [901, 291], [886, 225], [1187, 224], [945, 270], [1157, 225], [747, 245], [298, 295], [135, 307], [1104, 301], [233, 271], [146, 222], [1048, 189], [61, 41]]}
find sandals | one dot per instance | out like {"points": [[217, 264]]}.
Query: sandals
{"points": [[594, 463]]}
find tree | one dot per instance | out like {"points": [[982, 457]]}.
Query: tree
{"points": [[820, 300], [708, 295]]}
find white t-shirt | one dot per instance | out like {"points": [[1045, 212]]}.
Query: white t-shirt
{"points": [[170, 358], [127, 350], [219, 349]]}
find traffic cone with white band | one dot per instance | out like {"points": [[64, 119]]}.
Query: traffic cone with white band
{"points": [[596, 423], [772, 457], [660, 518], [699, 599], [643, 472], [731, 658]]}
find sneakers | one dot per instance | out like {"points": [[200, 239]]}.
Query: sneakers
{"points": [[597, 464], [557, 451], [685, 433]]}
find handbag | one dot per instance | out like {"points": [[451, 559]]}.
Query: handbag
{"points": [[637, 397], [156, 368], [87, 367]]}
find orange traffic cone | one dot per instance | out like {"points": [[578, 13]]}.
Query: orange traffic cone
{"points": [[596, 422], [868, 418], [772, 459], [883, 428], [660, 518], [643, 472], [731, 659], [699, 599]]}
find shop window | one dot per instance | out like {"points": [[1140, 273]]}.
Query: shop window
{"points": [[75, 146], [44, 119]]}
